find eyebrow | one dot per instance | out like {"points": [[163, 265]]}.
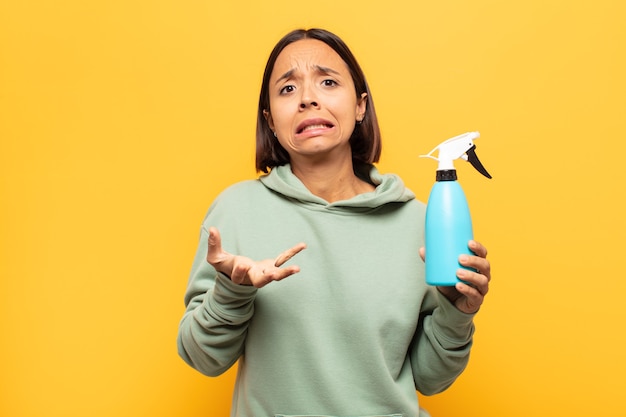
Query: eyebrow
{"points": [[319, 68]]}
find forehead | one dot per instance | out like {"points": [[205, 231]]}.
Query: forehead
{"points": [[308, 53]]}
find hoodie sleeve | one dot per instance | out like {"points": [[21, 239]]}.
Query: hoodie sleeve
{"points": [[441, 347], [213, 329]]}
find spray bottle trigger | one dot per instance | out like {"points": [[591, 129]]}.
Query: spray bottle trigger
{"points": [[473, 159]]}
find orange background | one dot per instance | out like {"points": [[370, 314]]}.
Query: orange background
{"points": [[120, 121]]}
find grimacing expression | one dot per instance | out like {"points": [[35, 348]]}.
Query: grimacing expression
{"points": [[313, 103]]}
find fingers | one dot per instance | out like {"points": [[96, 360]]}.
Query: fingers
{"points": [[216, 256], [478, 262], [474, 279], [477, 248], [475, 285], [215, 245], [288, 254], [469, 294], [244, 271], [273, 273], [272, 270], [470, 300], [480, 265], [240, 271]]}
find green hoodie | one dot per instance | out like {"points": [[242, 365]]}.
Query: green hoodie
{"points": [[354, 333]]}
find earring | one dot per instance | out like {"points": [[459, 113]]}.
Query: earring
{"points": [[275, 135]]}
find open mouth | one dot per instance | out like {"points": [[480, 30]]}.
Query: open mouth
{"points": [[313, 124], [313, 127]]}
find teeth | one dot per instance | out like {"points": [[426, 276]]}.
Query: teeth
{"points": [[314, 127]]}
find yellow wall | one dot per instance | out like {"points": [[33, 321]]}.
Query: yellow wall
{"points": [[121, 120]]}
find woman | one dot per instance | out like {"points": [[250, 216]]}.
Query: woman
{"points": [[354, 330]]}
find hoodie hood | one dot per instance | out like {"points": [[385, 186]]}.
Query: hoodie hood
{"points": [[389, 189]]}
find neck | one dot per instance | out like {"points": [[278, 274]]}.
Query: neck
{"points": [[331, 181]]}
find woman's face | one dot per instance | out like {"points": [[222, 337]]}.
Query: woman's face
{"points": [[313, 103]]}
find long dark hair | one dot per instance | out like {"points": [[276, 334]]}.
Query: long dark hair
{"points": [[365, 140]]}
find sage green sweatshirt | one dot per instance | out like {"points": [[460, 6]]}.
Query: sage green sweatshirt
{"points": [[355, 333]]}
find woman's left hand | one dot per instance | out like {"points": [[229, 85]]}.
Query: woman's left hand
{"points": [[469, 295]]}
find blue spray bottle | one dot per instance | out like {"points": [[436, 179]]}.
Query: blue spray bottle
{"points": [[448, 221]]}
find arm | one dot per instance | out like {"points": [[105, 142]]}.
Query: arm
{"points": [[213, 329], [220, 302], [441, 348]]}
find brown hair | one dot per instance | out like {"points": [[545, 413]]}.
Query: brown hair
{"points": [[365, 140]]}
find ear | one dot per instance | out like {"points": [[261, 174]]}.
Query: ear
{"points": [[268, 118], [361, 107]]}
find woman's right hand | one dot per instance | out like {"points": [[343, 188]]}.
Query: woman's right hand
{"points": [[245, 271]]}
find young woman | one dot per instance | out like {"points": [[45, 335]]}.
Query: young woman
{"points": [[352, 329]]}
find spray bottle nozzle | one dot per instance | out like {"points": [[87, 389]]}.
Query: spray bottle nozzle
{"points": [[461, 146], [473, 159]]}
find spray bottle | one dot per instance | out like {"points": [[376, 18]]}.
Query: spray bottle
{"points": [[448, 221]]}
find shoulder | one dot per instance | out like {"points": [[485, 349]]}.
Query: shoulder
{"points": [[414, 208], [237, 196], [417, 204], [241, 189]]}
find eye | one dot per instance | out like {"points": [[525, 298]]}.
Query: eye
{"points": [[329, 83], [287, 89]]}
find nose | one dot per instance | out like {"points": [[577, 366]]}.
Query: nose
{"points": [[308, 98], [308, 103]]}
